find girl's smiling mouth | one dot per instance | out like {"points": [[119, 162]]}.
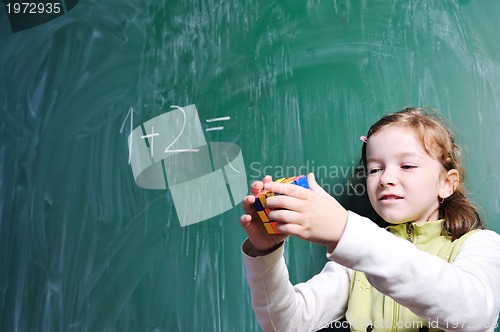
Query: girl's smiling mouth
{"points": [[390, 197]]}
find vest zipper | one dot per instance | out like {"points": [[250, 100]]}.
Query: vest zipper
{"points": [[409, 231], [395, 317]]}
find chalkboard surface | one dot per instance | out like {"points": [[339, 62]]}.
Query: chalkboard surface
{"points": [[83, 247]]}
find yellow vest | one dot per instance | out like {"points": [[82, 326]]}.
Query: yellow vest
{"points": [[370, 310]]}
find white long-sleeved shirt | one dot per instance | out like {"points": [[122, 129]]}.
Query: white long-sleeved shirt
{"points": [[460, 296]]}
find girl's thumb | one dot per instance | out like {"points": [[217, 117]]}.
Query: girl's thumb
{"points": [[312, 182]]}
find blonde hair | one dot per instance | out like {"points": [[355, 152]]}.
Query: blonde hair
{"points": [[459, 213]]}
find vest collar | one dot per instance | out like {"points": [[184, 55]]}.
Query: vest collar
{"points": [[418, 233]]}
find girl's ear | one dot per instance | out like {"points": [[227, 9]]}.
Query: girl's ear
{"points": [[450, 184]]}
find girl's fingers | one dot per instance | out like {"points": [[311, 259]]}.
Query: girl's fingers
{"points": [[247, 203], [267, 179], [257, 186], [288, 190], [284, 202], [245, 220], [248, 200], [285, 216], [289, 228]]}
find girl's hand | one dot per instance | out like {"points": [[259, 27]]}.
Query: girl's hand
{"points": [[263, 243], [311, 214]]}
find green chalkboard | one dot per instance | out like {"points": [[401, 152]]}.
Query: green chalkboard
{"points": [[84, 247]]}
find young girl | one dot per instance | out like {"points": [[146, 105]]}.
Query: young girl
{"points": [[435, 268]]}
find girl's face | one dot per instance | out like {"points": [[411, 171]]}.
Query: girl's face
{"points": [[403, 181]]}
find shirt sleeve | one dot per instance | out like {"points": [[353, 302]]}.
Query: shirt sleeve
{"points": [[281, 306], [461, 296]]}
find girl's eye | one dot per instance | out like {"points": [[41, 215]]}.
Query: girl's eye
{"points": [[408, 166], [374, 170]]}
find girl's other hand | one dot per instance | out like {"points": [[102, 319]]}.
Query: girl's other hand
{"points": [[263, 243]]}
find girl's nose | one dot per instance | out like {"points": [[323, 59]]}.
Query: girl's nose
{"points": [[388, 178]]}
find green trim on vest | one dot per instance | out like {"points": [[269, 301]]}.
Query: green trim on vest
{"points": [[369, 309]]}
